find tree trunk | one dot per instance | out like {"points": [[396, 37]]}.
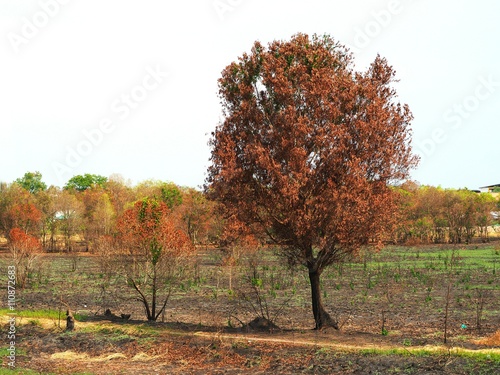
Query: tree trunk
{"points": [[144, 301], [321, 317], [153, 303]]}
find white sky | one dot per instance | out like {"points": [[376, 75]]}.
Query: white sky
{"points": [[68, 66]]}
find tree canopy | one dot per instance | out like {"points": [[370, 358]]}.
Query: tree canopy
{"points": [[32, 181], [84, 182]]}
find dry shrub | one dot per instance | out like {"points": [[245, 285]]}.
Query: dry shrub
{"points": [[493, 340], [25, 250]]}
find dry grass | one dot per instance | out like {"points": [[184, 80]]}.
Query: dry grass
{"points": [[69, 356], [109, 357], [143, 357], [493, 340], [73, 356]]}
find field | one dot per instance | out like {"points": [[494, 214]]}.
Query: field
{"points": [[395, 309]]}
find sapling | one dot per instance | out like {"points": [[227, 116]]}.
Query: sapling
{"points": [[446, 310], [478, 302], [385, 332], [449, 296]]}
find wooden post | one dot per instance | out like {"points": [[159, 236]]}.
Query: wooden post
{"points": [[70, 321]]}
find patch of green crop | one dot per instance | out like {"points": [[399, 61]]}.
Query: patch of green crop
{"points": [[33, 314], [41, 314], [479, 355], [4, 352], [428, 258], [103, 330], [21, 371]]}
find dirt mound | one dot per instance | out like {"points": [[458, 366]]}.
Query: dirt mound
{"points": [[493, 340], [263, 325]]}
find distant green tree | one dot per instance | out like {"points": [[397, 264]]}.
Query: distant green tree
{"points": [[84, 182], [171, 195], [32, 181], [167, 192]]}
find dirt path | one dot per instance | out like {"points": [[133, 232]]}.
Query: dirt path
{"points": [[330, 338], [347, 343], [103, 347]]}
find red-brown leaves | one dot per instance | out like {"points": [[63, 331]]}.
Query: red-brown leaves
{"points": [[149, 224], [25, 216], [236, 233], [22, 242], [24, 249]]}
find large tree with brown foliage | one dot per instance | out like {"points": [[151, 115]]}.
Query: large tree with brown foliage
{"points": [[308, 148]]}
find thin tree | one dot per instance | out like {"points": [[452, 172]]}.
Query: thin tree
{"points": [[307, 149], [158, 253]]}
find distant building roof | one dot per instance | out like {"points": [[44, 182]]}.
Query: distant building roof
{"points": [[490, 186]]}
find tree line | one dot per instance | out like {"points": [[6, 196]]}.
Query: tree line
{"points": [[429, 214], [88, 207], [159, 224]]}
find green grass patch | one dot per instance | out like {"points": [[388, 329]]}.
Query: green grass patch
{"points": [[21, 371], [146, 330], [35, 322], [398, 351], [103, 330], [41, 314], [122, 331], [4, 352], [479, 355], [109, 332], [434, 259], [33, 314]]}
